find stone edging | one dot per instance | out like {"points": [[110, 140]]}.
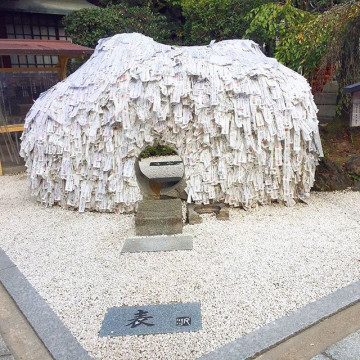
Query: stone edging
{"points": [[61, 344], [259, 341]]}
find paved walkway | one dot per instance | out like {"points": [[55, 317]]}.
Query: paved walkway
{"points": [[346, 349], [18, 341], [4, 351]]}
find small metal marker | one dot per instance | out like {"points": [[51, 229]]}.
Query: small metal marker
{"points": [[151, 319]]}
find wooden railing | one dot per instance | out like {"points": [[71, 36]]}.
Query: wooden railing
{"points": [[61, 68], [9, 129]]}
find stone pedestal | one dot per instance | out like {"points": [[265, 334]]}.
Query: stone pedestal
{"points": [[159, 217]]}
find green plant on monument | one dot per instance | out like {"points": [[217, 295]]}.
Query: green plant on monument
{"points": [[157, 150]]}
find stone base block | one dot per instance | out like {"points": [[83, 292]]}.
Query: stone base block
{"points": [[159, 217]]}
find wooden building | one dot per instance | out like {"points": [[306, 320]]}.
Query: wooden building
{"points": [[34, 51], [354, 90]]}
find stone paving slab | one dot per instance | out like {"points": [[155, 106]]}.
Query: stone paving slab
{"points": [[320, 357], [158, 243], [4, 351], [346, 349], [152, 319], [3, 348]]}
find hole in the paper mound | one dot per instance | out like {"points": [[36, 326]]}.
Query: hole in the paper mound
{"points": [[158, 170]]}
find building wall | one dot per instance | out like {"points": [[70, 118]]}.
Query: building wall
{"points": [[19, 90], [30, 26]]}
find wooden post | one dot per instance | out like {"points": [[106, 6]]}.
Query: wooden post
{"points": [[63, 60], [9, 129]]}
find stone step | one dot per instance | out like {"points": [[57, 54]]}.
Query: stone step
{"points": [[158, 243]]}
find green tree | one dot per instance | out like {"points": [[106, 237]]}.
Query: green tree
{"points": [[207, 20], [168, 8], [279, 24], [310, 42], [87, 26]]}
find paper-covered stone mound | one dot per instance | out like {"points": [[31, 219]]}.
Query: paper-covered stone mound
{"points": [[244, 125]]}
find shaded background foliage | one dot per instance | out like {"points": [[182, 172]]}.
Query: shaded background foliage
{"points": [[207, 20], [313, 43], [87, 26], [183, 22]]}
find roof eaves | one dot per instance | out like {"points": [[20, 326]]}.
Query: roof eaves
{"points": [[54, 7], [352, 88]]}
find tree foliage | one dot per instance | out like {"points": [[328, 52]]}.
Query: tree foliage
{"points": [[323, 40], [87, 26], [276, 22], [309, 42], [207, 20]]}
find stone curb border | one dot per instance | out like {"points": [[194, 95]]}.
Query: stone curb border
{"points": [[61, 344], [259, 341]]}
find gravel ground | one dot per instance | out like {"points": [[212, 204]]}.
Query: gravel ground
{"points": [[246, 272]]}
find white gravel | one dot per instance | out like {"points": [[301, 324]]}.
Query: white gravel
{"points": [[246, 272]]}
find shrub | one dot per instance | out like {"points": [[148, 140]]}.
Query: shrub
{"points": [[87, 26], [157, 150]]}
